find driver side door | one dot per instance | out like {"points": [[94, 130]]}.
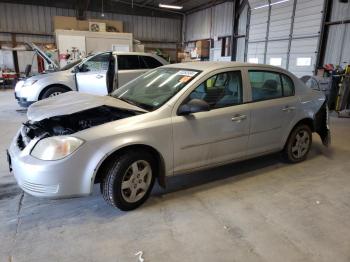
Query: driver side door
{"points": [[92, 77], [216, 136]]}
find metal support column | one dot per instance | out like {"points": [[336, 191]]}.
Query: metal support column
{"points": [[267, 31], [291, 33]]}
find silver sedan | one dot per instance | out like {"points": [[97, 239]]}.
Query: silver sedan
{"points": [[174, 119]]}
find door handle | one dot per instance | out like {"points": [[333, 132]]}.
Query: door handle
{"points": [[99, 76], [238, 118], [288, 108]]}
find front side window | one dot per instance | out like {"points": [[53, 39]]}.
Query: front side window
{"points": [[151, 90], [128, 62], [97, 63], [265, 85], [221, 90]]}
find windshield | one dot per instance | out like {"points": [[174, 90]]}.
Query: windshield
{"points": [[151, 90], [69, 66]]}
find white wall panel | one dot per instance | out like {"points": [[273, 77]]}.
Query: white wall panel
{"points": [[337, 48], [277, 49], [280, 22], [212, 22], [303, 48], [198, 25], [308, 17]]}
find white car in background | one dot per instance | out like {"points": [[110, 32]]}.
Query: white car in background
{"points": [[172, 120], [98, 74]]}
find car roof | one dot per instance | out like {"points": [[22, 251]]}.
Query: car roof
{"points": [[132, 53], [211, 65]]}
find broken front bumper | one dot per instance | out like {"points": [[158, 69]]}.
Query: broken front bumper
{"points": [[51, 179]]}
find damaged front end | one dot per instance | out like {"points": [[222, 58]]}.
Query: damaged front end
{"points": [[70, 124], [321, 124]]}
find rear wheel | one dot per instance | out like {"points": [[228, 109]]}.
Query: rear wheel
{"points": [[298, 144], [129, 180], [53, 91]]}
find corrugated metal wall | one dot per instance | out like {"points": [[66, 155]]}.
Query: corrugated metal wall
{"points": [[38, 19], [286, 30], [337, 49], [212, 22], [216, 22]]}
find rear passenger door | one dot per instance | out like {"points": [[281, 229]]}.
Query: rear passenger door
{"points": [[132, 66], [129, 67], [273, 107]]}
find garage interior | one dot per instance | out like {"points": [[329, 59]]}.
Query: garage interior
{"points": [[261, 209]]}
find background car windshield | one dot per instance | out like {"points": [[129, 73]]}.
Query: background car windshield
{"points": [[153, 89], [71, 65]]}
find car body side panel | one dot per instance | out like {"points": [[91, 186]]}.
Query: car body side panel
{"points": [[31, 93], [119, 134]]}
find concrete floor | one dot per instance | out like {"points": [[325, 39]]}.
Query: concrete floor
{"points": [[257, 210]]}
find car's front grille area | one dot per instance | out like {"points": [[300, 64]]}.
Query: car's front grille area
{"points": [[38, 188], [20, 142], [23, 140]]}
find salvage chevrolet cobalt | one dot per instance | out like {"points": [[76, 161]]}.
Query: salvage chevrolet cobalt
{"points": [[173, 119]]}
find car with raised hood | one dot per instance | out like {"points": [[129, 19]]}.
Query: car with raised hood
{"points": [[97, 74], [172, 120]]}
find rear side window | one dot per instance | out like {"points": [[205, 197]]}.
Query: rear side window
{"points": [[288, 86], [265, 85], [151, 62], [128, 62], [269, 85]]}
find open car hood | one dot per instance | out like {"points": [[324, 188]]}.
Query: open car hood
{"points": [[42, 54], [73, 102]]}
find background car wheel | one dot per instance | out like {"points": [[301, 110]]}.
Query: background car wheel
{"points": [[298, 144], [129, 180], [53, 91]]}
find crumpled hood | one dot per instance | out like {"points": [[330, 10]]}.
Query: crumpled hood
{"points": [[73, 102]]}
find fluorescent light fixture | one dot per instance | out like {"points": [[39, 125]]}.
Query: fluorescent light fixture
{"points": [[267, 5], [177, 7]]}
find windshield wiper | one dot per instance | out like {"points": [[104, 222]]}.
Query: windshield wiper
{"points": [[131, 102]]}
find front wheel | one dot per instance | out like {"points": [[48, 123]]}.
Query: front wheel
{"points": [[129, 180], [53, 91], [298, 144]]}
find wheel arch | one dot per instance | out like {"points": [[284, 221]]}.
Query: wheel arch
{"points": [[305, 121], [103, 164], [52, 85]]}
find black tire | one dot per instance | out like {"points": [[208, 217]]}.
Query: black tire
{"points": [[118, 169], [291, 151], [52, 91]]}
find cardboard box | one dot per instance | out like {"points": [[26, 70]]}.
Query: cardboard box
{"points": [[97, 27], [111, 25], [65, 23], [71, 23], [182, 55], [202, 52], [203, 44]]}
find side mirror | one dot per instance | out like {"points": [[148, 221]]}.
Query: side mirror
{"points": [[193, 106], [81, 68]]}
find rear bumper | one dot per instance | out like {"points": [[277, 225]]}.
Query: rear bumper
{"points": [[321, 124]]}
